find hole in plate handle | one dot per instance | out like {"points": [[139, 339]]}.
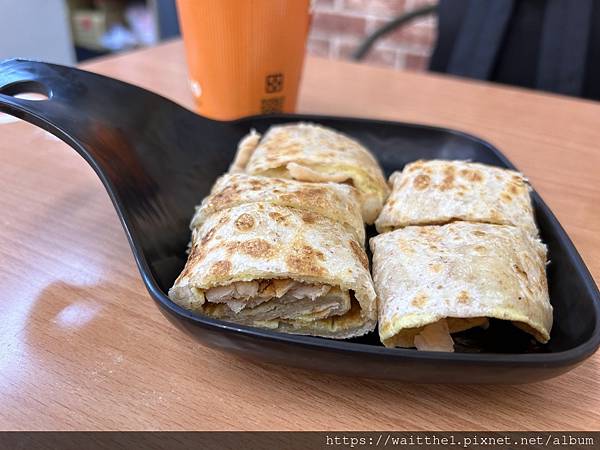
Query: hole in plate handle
{"points": [[27, 90]]}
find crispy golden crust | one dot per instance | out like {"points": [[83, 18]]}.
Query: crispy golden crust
{"points": [[261, 241], [309, 152], [464, 271], [335, 201], [438, 192]]}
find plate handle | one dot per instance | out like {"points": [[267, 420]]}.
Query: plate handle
{"points": [[149, 152]]}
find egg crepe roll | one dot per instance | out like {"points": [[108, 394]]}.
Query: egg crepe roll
{"points": [[313, 153], [270, 265], [437, 192], [435, 280], [338, 202]]}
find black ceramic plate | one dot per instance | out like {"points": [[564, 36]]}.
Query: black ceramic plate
{"points": [[157, 160]]}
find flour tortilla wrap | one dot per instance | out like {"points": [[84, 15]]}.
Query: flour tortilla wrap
{"points": [[338, 202], [281, 268], [436, 192], [308, 152], [435, 280]]}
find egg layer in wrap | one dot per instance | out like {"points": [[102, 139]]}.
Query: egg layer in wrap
{"points": [[288, 262], [313, 153], [436, 280], [437, 192]]}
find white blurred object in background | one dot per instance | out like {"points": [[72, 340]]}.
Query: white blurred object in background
{"points": [[139, 32], [142, 22], [118, 37]]}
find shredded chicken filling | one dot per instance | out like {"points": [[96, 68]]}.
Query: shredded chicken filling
{"points": [[276, 299], [435, 337]]}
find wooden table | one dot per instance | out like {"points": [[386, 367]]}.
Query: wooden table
{"points": [[82, 345]]}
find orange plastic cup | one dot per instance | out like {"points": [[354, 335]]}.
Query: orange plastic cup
{"points": [[244, 56]]}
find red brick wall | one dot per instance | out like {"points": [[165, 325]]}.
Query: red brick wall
{"points": [[339, 26]]}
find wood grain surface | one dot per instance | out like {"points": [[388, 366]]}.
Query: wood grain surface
{"points": [[82, 345]]}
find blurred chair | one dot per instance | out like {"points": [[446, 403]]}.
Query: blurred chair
{"points": [[551, 45]]}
